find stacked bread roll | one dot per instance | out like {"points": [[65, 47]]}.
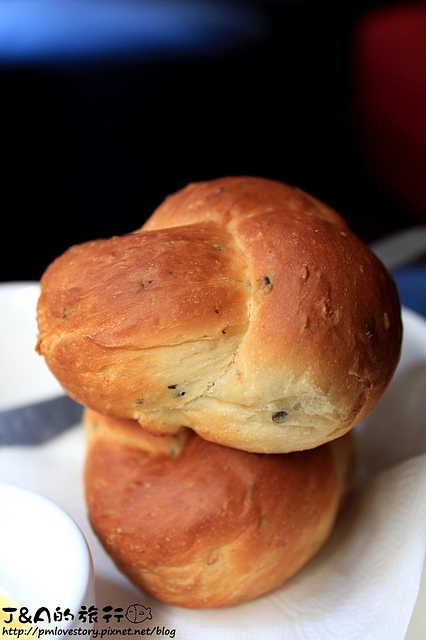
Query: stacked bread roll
{"points": [[224, 352]]}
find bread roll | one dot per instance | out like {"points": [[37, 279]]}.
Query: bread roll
{"points": [[199, 525], [243, 309]]}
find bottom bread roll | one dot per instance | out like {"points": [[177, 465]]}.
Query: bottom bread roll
{"points": [[200, 525]]}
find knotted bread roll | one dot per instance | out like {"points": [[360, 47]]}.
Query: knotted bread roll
{"points": [[199, 525], [243, 309]]}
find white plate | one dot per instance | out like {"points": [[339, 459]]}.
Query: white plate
{"points": [[363, 584], [24, 378]]}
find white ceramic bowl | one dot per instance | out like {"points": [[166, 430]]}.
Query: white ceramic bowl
{"points": [[44, 560]]}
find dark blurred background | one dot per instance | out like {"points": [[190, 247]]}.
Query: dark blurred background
{"points": [[102, 118]]}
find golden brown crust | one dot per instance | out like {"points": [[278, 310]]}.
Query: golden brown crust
{"points": [[244, 309], [200, 525]]}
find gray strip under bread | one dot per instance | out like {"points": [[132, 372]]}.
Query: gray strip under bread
{"points": [[37, 423]]}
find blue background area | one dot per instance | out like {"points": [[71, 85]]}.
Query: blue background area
{"points": [[411, 284]]}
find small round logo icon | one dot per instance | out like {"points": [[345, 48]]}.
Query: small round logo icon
{"points": [[137, 613]]}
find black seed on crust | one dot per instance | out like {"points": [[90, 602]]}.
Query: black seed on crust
{"points": [[279, 416]]}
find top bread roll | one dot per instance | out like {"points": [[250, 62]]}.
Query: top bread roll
{"points": [[244, 309]]}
